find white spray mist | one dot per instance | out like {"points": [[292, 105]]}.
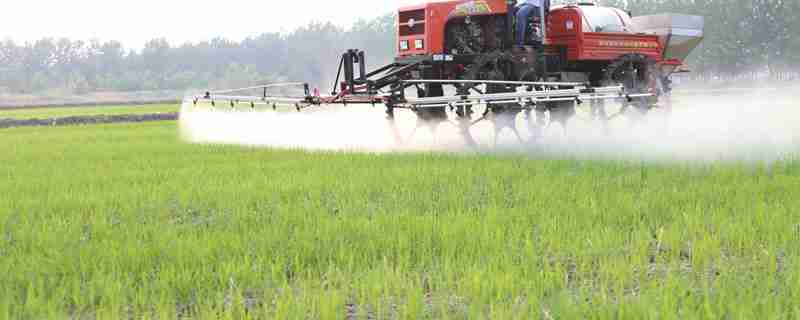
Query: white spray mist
{"points": [[758, 125]]}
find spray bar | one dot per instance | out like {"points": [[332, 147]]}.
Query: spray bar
{"points": [[465, 104], [601, 93], [249, 99], [526, 97], [266, 86], [516, 83]]}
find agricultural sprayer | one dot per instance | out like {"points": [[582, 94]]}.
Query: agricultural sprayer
{"points": [[458, 64]]}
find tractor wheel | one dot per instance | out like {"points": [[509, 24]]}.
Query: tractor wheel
{"points": [[436, 121], [547, 114], [497, 66], [600, 115], [664, 90], [638, 75]]}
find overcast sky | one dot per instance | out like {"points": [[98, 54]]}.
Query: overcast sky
{"points": [[134, 22]]}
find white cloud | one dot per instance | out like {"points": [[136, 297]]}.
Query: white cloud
{"points": [[134, 22]]}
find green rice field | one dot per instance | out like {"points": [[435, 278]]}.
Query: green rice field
{"points": [[128, 222], [60, 112]]}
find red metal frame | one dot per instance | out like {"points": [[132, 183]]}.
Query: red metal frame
{"points": [[436, 16], [603, 46], [581, 46]]}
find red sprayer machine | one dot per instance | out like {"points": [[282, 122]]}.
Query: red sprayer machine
{"points": [[458, 62]]}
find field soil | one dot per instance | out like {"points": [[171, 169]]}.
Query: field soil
{"points": [[85, 120]]}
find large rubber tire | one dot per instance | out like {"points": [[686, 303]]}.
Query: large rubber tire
{"points": [[638, 75], [497, 66]]}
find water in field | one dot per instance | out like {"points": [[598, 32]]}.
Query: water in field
{"points": [[742, 125]]}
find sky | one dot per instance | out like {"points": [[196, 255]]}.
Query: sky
{"points": [[179, 21]]}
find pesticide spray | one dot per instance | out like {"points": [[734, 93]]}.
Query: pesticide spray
{"points": [[751, 125]]}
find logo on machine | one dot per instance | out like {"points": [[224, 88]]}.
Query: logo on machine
{"points": [[628, 44], [471, 8]]}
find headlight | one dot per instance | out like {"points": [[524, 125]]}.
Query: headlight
{"points": [[418, 44], [404, 45]]}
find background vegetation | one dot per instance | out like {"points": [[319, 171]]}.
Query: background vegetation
{"points": [[742, 37], [60, 112], [70, 66]]}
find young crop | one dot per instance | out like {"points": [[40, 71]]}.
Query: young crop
{"points": [[126, 221]]}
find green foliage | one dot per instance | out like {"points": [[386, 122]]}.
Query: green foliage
{"points": [[126, 221], [60, 112], [308, 53]]}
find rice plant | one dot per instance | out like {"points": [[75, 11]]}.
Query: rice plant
{"points": [[127, 221]]}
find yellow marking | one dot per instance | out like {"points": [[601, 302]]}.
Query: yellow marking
{"points": [[628, 44], [471, 8]]}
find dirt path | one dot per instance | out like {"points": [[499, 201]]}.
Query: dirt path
{"points": [[84, 120]]}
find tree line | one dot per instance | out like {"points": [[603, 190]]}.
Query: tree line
{"points": [[308, 53], [742, 36]]}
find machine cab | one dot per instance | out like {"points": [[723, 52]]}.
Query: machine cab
{"points": [[423, 29]]}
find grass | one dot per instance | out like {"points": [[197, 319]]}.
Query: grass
{"points": [[60, 112], [126, 221]]}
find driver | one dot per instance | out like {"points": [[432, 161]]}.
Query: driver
{"points": [[525, 9]]}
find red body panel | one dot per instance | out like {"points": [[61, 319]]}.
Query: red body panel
{"points": [[609, 46], [436, 16], [565, 28]]}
